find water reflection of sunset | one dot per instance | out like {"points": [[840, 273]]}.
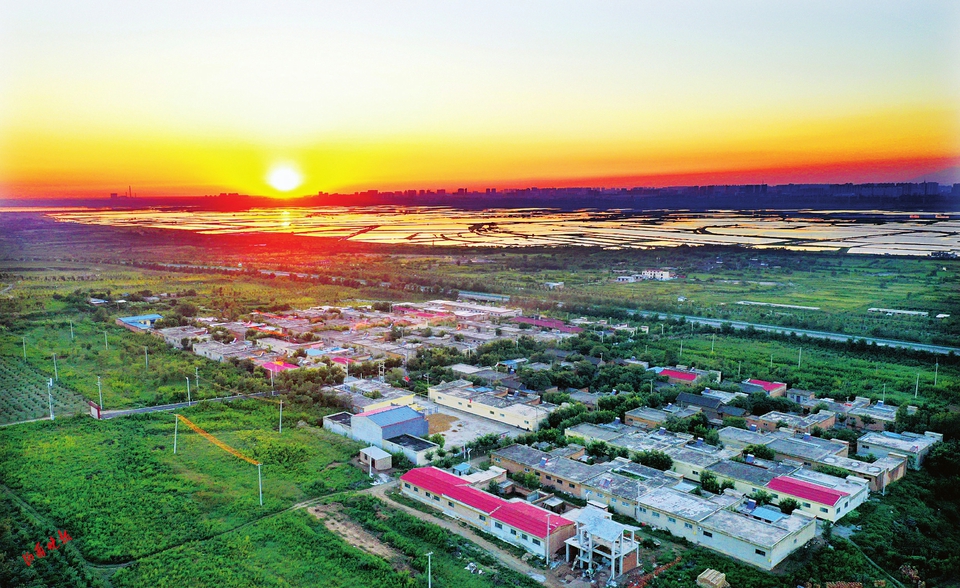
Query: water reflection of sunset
{"points": [[523, 227]]}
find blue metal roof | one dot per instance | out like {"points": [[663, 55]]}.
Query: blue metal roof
{"points": [[393, 416], [767, 514], [143, 318]]}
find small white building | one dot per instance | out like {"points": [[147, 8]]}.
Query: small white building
{"points": [[376, 457], [657, 274]]}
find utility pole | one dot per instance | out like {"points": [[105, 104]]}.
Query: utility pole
{"points": [[936, 369], [260, 484], [189, 402], [56, 374], [71, 330], [273, 392], [883, 397], [106, 347], [771, 361], [281, 416], [916, 390], [24, 348], [50, 396], [146, 359], [100, 391], [713, 343], [429, 570], [176, 425], [680, 357], [196, 372], [799, 356], [661, 329], [548, 540], [739, 364]]}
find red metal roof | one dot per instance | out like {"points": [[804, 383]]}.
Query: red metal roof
{"points": [[689, 377], [475, 498], [432, 479], [806, 490], [768, 386], [529, 519], [519, 515]]}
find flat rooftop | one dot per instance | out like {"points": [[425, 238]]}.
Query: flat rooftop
{"points": [[801, 449], [751, 530], [751, 474], [593, 432], [743, 437], [522, 454], [863, 468], [680, 504], [341, 417], [411, 442], [697, 458], [909, 442], [573, 470]]}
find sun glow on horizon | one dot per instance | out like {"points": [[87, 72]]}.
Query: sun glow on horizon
{"points": [[187, 98], [284, 177]]}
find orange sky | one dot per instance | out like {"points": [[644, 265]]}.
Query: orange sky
{"points": [[190, 98]]}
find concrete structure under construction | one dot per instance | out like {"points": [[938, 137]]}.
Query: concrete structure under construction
{"points": [[600, 541]]}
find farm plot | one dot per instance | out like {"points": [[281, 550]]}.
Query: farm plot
{"points": [[23, 394]]}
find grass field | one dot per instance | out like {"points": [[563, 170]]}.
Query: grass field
{"points": [[291, 549], [296, 549], [122, 493]]}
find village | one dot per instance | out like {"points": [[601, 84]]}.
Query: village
{"points": [[755, 487]]}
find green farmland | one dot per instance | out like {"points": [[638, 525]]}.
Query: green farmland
{"points": [[117, 486]]}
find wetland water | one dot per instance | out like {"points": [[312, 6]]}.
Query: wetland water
{"points": [[857, 232]]}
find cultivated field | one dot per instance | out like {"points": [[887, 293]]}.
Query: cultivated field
{"points": [[23, 394]]}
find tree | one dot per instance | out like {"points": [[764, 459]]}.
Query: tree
{"points": [[708, 481], [788, 505], [761, 451], [762, 497], [438, 439], [655, 459]]}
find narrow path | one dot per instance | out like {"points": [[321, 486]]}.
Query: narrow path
{"points": [[507, 559], [109, 414]]}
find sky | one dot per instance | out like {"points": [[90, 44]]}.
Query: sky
{"points": [[288, 98]]}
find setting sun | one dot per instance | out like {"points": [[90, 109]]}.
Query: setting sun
{"points": [[284, 178]]}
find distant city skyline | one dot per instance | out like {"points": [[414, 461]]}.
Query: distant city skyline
{"points": [[295, 98]]}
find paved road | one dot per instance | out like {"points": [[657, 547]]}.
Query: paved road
{"points": [[942, 349], [506, 558], [109, 414]]}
